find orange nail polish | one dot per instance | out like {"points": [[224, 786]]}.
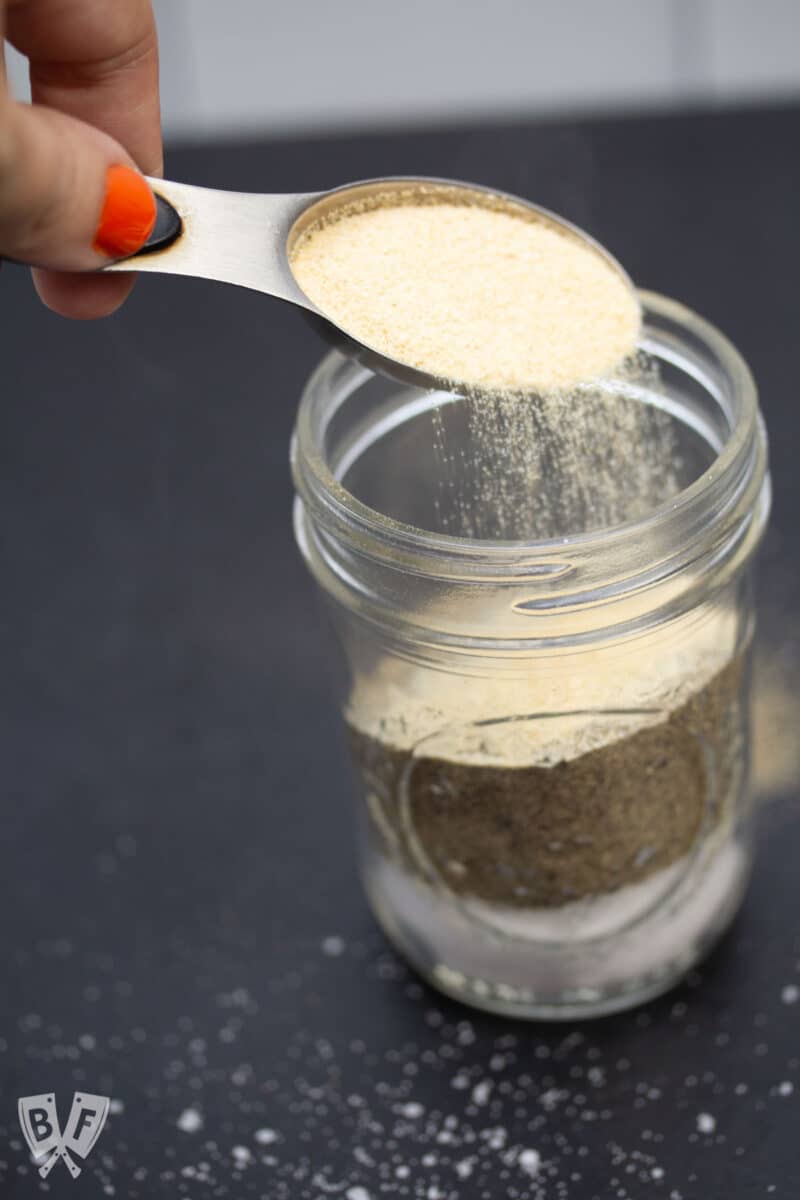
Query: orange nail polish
{"points": [[129, 213]]}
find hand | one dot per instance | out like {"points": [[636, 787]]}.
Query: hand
{"points": [[71, 197]]}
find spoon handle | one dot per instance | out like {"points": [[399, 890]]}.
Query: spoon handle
{"points": [[234, 237]]}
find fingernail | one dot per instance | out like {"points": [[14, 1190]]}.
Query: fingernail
{"points": [[129, 213]]}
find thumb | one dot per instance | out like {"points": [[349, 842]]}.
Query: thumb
{"points": [[71, 198]]}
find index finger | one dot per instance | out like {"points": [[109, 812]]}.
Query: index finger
{"points": [[96, 60]]}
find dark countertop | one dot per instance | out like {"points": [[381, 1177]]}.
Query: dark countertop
{"points": [[182, 926]]}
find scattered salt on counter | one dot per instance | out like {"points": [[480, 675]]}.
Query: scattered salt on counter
{"points": [[265, 1137], [190, 1121], [529, 1162]]}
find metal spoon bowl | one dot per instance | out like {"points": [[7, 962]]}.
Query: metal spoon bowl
{"points": [[246, 238]]}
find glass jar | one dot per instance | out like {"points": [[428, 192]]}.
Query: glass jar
{"points": [[551, 735]]}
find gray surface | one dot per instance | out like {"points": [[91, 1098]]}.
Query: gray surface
{"points": [[177, 835]]}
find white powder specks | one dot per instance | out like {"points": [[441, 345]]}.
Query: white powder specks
{"points": [[412, 1110], [333, 946], [238, 998], [529, 1161], [265, 1137], [459, 1110], [550, 1099], [495, 1138], [790, 994], [190, 1121]]}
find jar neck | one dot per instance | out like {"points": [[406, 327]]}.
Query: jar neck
{"points": [[609, 582]]}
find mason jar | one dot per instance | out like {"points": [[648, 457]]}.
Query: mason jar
{"points": [[546, 702]]}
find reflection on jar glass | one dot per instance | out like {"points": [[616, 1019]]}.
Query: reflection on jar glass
{"points": [[546, 613]]}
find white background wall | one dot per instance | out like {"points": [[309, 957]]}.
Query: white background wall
{"points": [[279, 66]]}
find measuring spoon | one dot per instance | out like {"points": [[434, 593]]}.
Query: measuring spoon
{"points": [[247, 238]]}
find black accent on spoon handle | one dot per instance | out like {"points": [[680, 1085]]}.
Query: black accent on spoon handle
{"points": [[167, 229]]}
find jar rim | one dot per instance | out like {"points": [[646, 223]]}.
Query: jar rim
{"points": [[728, 488]]}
